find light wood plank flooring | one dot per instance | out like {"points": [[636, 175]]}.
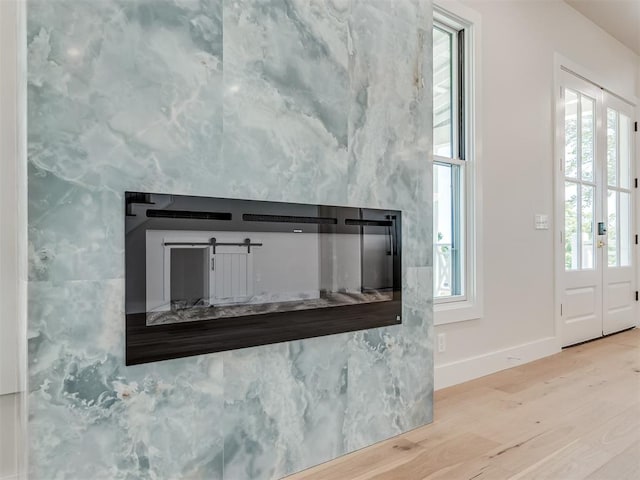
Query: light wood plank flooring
{"points": [[571, 416]]}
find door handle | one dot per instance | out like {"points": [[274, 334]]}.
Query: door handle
{"points": [[602, 228], [601, 244]]}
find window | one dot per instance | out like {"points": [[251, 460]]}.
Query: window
{"points": [[455, 220]]}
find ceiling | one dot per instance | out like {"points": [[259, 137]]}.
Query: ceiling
{"points": [[619, 18]]}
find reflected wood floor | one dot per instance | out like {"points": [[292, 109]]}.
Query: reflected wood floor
{"points": [[572, 416]]}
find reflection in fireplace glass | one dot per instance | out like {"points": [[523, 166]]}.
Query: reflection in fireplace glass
{"points": [[213, 275]]}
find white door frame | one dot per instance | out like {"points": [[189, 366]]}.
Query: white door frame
{"points": [[562, 63]]}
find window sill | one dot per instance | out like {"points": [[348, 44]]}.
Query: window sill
{"points": [[453, 312]]}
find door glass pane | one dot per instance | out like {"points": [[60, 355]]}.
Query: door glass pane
{"points": [[587, 139], [571, 254], [587, 226], [442, 91], [612, 147], [624, 223], [625, 151], [571, 134], [612, 229]]}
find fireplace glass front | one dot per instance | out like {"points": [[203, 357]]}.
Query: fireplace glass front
{"points": [[244, 273]]}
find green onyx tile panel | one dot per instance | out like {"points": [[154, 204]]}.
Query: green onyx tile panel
{"points": [[285, 406], [121, 95], [390, 380], [322, 101], [286, 87], [92, 417]]}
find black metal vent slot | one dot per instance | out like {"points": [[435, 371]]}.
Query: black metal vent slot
{"points": [[250, 217], [369, 223], [193, 215], [141, 198]]}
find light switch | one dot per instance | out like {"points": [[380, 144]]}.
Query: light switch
{"points": [[542, 221]]}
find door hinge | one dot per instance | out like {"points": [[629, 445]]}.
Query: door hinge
{"points": [[561, 312], [636, 183], [636, 295], [636, 239], [635, 127]]}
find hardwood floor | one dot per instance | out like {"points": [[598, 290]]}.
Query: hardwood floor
{"points": [[574, 415]]}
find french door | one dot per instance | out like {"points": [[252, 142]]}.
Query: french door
{"points": [[595, 189]]}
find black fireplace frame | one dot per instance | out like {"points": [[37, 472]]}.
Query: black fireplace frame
{"points": [[168, 341]]}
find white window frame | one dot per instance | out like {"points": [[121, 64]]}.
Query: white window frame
{"points": [[468, 306]]}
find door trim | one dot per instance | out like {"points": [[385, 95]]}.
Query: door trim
{"points": [[595, 84]]}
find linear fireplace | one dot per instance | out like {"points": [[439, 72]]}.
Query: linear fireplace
{"points": [[211, 274]]}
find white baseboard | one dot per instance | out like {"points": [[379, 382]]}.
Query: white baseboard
{"points": [[470, 368], [10, 477]]}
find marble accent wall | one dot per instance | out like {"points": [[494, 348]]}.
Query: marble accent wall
{"points": [[318, 101]]}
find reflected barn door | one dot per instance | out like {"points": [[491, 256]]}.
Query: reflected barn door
{"points": [[233, 278]]}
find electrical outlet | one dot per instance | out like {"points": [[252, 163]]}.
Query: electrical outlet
{"points": [[442, 342]]}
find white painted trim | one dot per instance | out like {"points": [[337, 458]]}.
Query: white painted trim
{"points": [[637, 196], [13, 197], [13, 185], [558, 220], [471, 368], [8, 200], [454, 8], [562, 61], [472, 307]]}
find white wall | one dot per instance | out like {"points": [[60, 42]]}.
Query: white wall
{"points": [[519, 39]]}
